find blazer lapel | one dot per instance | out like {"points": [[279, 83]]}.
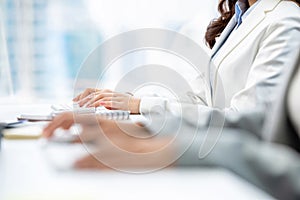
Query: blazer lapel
{"points": [[211, 70], [250, 23]]}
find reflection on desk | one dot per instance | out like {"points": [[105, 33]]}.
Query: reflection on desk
{"points": [[27, 174], [28, 171]]}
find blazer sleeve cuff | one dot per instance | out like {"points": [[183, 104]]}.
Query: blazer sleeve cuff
{"points": [[153, 105]]}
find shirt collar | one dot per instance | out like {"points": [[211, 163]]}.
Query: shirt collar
{"points": [[241, 7], [242, 10]]}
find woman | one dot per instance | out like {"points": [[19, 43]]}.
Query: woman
{"points": [[251, 50]]}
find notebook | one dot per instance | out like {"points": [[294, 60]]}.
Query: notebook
{"points": [[27, 132]]}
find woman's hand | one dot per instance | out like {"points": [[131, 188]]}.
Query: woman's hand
{"points": [[109, 99], [64, 121], [86, 93], [119, 145]]}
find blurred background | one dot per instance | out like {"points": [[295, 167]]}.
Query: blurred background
{"points": [[44, 42]]}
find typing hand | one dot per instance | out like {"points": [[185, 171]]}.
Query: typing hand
{"points": [[125, 147], [86, 93], [66, 120], [109, 99], [94, 127], [119, 145]]}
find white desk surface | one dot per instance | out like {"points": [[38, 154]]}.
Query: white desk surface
{"points": [[26, 173]]}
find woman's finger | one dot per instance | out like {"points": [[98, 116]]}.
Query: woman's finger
{"points": [[64, 120], [76, 98], [100, 97], [87, 92], [115, 98], [111, 105], [92, 98], [88, 98]]}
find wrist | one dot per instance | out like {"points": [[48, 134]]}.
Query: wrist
{"points": [[134, 105]]}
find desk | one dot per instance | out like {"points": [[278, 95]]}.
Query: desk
{"points": [[26, 174]]}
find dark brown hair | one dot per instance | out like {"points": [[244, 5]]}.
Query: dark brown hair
{"points": [[216, 26]]}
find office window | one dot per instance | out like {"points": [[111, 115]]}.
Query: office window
{"points": [[48, 40]]}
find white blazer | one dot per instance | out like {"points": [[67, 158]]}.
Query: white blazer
{"points": [[249, 65]]}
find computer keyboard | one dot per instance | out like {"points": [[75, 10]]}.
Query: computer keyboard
{"points": [[101, 111], [59, 108]]}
